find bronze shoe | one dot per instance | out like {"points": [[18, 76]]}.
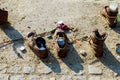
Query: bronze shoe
{"points": [[110, 15], [3, 16], [62, 44], [38, 46], [97, 41]]}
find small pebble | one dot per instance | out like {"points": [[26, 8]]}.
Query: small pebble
{"points": [[83, 52], [4, 47], [118, 57], [23, 18], [115, 74], [70, 41], [29, 27]]}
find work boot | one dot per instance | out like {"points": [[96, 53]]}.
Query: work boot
{"points": [[110, 13], [62, 44], [38, 46], [3, 16], [97, 41]]}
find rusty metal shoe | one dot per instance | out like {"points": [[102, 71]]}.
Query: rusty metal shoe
{"points": [[3, 16], [38, 46], [110, 13], [62, 44], [97, 41]]}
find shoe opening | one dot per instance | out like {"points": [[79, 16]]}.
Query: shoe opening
{"points": [[41, 44]]}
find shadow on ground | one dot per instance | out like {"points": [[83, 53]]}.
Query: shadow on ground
{"points": [[117, 28], [14, 35], [110, 61], [73, 60], [52, 63]]}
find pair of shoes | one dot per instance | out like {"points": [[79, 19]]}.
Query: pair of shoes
{"points": [[38, 45], [97, 41], [110, 13]]}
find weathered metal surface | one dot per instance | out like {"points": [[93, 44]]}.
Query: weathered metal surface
{"points": [[97, 41], [3, 16]]}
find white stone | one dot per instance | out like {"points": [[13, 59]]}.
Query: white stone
{"points": [[34, 77], [4, 77], [44, 70], [79, 78], [110, 78], [52, 78], [60, 22], [94, 78], [3, 68], [14, 69], [17, 77], [115, 74], [22, 48], [94, 70], [3, 71], [28, 69], [118, 57], [4, 47], [45, 78], [83, 52], [66, 78]]}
